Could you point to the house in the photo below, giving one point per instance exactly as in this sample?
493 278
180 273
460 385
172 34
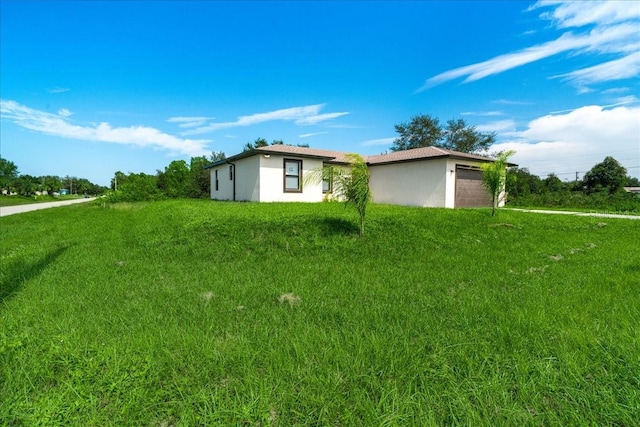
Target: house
426 177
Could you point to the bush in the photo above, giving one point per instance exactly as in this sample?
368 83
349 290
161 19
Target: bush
620 201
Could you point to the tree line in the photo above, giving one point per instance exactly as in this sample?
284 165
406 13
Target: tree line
602 187
178 180
12 182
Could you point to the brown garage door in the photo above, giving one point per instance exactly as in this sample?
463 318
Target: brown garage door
469 190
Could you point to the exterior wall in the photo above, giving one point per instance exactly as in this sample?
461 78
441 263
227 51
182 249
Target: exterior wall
247 185
272 180
225 185
418 183
248 182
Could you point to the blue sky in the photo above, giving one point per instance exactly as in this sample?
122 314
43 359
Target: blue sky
91 88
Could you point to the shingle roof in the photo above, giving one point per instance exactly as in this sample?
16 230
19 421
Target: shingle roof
421 153
342 157
333 156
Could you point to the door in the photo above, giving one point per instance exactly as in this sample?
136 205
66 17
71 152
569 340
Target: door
470 193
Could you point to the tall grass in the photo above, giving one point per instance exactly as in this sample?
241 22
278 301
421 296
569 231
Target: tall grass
213 313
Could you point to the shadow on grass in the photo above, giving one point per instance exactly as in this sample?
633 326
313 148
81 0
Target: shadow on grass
21 272
340 226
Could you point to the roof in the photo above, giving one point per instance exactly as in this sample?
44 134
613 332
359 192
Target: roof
422 153
341 157
330 155
327 155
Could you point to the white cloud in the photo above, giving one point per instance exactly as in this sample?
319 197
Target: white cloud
58 90
59 125
618 69
312 120
64 112
615 90
577 14
308 135
612 28
305 115
511 102
483 113
629 99
189 122
499 126
379 141
182 119
564 143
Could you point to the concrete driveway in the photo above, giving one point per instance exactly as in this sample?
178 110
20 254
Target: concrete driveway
599 215
11 210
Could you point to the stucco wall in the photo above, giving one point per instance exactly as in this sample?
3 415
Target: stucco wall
248 179
247 185
418 183
225 185
272 176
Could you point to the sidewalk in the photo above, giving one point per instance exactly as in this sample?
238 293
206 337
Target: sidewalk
600 215
12 210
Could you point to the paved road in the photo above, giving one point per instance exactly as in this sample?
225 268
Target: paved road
600 215
11 210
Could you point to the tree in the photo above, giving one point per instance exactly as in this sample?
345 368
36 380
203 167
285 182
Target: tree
552 183
51 184
174 181
260 142
199 181
426 131
609 176
421 131
137 187
520 183
8 173
493 177
458 136
357 190
216 156
351 185
25 185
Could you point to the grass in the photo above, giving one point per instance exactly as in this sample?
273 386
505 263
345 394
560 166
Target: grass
212 313
27 200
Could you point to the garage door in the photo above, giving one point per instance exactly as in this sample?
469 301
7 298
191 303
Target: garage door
470 192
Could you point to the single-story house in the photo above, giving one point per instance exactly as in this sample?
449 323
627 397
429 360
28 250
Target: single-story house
426 177
635 190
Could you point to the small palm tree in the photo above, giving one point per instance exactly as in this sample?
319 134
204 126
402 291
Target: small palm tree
349 184
494 175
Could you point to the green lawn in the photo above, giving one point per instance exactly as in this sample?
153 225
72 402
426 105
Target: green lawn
169 313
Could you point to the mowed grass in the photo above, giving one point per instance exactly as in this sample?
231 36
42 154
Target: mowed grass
209 313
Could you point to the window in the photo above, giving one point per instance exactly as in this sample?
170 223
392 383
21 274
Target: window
216 176
230 172
327 181
292 176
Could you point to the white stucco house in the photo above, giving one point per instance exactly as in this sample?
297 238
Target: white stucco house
426 177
